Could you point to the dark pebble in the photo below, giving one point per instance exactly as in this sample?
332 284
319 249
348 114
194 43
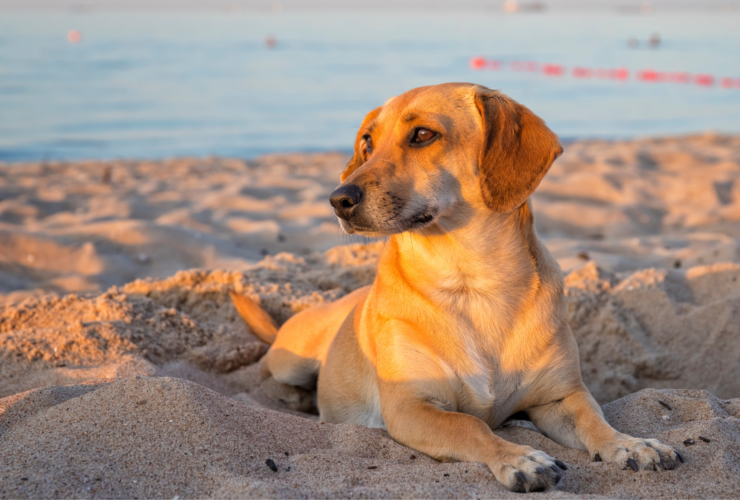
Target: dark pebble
666 405
287 454
704 439
372 467
280 237
583 255
447 475
689 442
271 464
264 251
24 479
413 457
677 264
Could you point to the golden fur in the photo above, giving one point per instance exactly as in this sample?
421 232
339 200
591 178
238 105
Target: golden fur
465 324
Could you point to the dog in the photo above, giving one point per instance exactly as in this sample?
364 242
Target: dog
465 324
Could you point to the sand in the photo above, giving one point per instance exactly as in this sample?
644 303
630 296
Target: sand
167 438
86 226
125 375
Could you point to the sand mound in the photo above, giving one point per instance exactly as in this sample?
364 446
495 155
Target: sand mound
185 325
657 328
662 328
165 437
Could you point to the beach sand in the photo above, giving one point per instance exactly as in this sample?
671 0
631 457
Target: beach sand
86 226
125 375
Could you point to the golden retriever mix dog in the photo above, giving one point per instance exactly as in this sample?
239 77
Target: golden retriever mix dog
465 324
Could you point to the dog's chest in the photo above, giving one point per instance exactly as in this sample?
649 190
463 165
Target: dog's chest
485 391
486 387
492 369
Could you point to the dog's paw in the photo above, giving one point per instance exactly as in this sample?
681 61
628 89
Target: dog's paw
638 454
524 469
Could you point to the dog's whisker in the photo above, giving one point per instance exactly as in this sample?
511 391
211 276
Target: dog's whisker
430 241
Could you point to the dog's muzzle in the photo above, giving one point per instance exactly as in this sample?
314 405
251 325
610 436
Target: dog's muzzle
345 200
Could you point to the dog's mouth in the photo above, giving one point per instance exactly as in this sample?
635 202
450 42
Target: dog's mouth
417 221
420 220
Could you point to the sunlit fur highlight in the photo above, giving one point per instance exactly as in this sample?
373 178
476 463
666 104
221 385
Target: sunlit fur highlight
465 324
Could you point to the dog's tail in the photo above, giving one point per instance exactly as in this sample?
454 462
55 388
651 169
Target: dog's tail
258 320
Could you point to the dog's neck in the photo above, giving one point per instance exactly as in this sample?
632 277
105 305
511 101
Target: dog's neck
494 257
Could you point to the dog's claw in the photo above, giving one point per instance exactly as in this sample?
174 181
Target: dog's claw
631 462
558 473
527 469
562 465
679 457
521 481
597 457
538 487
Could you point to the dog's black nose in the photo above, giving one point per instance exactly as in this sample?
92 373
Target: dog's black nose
344 199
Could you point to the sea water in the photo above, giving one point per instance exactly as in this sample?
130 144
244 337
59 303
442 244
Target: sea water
153 85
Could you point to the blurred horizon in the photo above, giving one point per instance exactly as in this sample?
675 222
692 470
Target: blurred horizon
625 6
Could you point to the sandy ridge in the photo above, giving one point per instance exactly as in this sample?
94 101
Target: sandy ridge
164 437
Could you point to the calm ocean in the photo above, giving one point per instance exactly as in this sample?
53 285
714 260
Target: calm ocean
152 85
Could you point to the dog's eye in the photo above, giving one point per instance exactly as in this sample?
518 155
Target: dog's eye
422 135
368 143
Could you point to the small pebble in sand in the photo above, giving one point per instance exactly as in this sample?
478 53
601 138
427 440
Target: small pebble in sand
373 467
287 454
689 442
142 258
583 256
666 418
705 439
447 475
271 465
413 457
665 405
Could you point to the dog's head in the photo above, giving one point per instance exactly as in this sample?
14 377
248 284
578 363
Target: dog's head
439 154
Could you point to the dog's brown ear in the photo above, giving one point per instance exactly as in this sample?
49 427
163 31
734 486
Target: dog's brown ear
360 155
518 150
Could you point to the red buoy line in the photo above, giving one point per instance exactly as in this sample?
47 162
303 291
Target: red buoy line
647 75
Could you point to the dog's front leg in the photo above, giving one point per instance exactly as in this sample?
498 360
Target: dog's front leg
577 422
450 436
